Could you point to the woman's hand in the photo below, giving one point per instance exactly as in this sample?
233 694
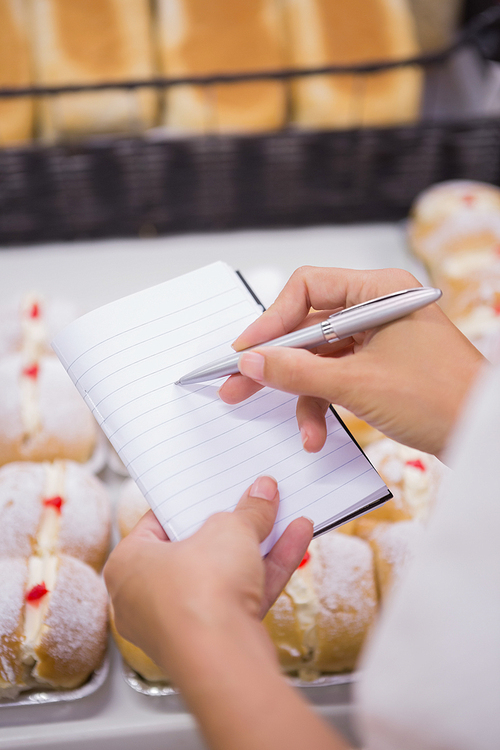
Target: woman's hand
408 378
169 599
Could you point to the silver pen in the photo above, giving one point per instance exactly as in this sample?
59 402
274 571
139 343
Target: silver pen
340 325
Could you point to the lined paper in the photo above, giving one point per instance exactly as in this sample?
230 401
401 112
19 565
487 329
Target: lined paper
191 454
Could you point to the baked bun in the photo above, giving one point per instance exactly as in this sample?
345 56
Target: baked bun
319 622
393 547
475 307
136 658
450 217
42 416
60 634
14 675
16 115
412 476
30 322
322 33
51 508
130 508
92 41
196 37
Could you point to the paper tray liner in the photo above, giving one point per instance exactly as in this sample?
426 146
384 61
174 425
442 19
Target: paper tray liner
155 689
39 695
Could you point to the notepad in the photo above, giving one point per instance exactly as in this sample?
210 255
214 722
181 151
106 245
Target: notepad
191 454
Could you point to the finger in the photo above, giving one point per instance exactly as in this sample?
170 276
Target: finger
311 421
237 388
148 528
321 289
284 558
303 373
258 507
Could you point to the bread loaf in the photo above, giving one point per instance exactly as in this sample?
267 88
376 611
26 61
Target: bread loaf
332 32
16 115
91 41
196 37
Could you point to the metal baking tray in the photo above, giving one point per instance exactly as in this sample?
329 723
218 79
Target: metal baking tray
40 695
140 685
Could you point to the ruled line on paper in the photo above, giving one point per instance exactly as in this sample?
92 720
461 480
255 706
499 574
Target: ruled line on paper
137 360
250 476
330 492
196 427
161 369
222 415
123 332
210 458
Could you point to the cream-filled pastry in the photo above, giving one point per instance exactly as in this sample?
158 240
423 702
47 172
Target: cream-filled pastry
53 623
29 322
446 213
49 508
320 620
412 476
130 508
393 547
42 416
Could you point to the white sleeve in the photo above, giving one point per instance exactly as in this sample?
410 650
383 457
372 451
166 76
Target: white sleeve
431 672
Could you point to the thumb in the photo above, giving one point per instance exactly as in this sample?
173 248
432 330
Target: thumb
297 371
259 506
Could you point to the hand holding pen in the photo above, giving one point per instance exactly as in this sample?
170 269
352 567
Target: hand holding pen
391 377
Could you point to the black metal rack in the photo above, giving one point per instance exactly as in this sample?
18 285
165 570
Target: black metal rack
138 186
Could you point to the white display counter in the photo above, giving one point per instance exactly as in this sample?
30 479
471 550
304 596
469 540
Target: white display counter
93 273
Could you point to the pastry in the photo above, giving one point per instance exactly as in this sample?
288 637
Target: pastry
412 476
319 622
93 41
136 658
452 218
16 115
475 307
53 622
50 508
322 33
30 322
221 36
130 508
393 547
42 416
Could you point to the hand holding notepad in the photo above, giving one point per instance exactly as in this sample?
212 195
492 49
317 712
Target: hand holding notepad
191 454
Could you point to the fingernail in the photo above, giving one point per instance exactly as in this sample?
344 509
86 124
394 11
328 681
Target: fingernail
252 365
304 436
308 519
264 487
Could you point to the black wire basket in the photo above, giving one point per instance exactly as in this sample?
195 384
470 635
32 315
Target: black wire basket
137 186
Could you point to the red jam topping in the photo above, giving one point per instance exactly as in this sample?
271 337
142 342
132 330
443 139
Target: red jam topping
496 308
497 249
34 311
305 560
31 371
417 464
54 502
469 199
37 592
